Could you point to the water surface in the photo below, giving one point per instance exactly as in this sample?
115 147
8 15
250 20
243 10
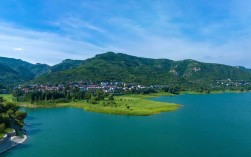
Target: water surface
206 126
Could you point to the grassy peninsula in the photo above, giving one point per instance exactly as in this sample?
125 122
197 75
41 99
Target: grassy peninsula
133 104
127 105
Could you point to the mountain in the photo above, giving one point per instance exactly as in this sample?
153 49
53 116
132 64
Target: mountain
14 71
126 68
66 64
121 67
243 68
17 71
40 69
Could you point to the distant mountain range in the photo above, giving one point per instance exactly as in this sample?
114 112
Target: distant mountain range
14 71
121 67
18 71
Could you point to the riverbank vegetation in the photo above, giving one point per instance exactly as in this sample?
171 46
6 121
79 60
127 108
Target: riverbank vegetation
126 105
99 101
10 117
68 94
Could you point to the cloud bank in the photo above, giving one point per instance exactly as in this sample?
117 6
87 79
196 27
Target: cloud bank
205 31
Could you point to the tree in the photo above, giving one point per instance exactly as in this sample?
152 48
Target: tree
110 97
1 99
11 117
2 127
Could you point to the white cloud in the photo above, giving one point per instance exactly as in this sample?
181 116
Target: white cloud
155 34
18 49
42 46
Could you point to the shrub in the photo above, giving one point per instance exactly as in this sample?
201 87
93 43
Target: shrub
2 128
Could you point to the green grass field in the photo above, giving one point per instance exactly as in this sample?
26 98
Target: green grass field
126 105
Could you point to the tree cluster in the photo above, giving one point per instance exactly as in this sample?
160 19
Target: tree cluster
49 96
11 116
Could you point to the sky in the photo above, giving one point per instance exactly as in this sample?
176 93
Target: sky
49 31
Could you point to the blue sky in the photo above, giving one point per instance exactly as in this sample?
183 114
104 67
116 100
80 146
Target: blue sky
48 31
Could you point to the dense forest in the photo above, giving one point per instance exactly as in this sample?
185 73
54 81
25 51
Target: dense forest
50 96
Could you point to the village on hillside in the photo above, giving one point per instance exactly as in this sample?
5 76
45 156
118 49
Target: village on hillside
106 87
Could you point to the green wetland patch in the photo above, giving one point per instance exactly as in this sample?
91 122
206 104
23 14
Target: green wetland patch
127 105
134 104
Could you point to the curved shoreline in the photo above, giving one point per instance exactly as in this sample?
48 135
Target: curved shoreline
9 142
135 110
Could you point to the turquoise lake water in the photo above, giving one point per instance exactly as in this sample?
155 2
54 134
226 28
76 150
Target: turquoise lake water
214 125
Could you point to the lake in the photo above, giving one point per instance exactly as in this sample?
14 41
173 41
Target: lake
205 126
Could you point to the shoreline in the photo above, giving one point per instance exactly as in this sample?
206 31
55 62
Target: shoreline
212 92
140 106
9 142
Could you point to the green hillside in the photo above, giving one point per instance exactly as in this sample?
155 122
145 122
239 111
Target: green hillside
110 66
66 64
121 67
15 71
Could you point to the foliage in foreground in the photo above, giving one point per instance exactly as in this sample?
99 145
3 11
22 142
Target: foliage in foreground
10 117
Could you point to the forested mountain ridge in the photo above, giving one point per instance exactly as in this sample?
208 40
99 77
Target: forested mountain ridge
125 68
243 68
121 67
15 71
66 64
